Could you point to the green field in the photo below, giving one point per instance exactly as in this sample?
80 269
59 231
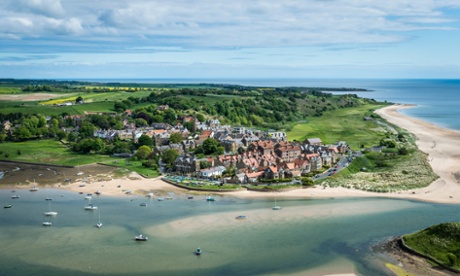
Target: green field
48 152
92 97
135 166
9 90
440 242
341 125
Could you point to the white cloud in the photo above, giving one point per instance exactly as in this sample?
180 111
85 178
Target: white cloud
237 23
48 8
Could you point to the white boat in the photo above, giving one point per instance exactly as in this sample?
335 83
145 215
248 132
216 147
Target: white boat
198 251
161 199
47 223
276 207
141 237
50 213
88 197
90 207
34 188
149 195
99 223
210 199
15 196
7 206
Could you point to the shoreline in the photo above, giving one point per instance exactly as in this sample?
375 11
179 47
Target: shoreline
440 144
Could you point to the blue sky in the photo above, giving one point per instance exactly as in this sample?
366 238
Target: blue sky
229 39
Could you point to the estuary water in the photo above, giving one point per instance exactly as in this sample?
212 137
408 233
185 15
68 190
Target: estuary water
310 237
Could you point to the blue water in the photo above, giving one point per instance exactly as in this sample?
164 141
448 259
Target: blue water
304 236
437 100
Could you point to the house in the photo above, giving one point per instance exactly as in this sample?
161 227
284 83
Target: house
253 177
313 141
187 164
272 173
162 107
212 172
277 135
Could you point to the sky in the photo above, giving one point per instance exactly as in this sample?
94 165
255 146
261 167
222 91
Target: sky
115 39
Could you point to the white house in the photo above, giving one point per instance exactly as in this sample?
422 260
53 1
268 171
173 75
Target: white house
213 172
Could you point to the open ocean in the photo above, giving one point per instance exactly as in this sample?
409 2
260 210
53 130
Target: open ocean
307 237
437 100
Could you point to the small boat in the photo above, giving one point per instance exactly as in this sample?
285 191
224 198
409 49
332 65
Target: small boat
88 197
143 204
7 206
198 251
276 207
47 223
168 198
50 213
48 198
97 192
99 223
33 189
161 199
149 195
90 207
190 197
210 199
241 217
15 196
141 237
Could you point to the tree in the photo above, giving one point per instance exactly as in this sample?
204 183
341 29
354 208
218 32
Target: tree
204 165
145 140
60 134
200 117
141 122
78 99
169 156
142 152
175 138
210 146
121 147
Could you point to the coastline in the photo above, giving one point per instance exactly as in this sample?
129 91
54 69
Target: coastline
440 144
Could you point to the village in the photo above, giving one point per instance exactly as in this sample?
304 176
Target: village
250 155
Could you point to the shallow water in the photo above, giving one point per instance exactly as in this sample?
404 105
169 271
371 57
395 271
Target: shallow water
328 235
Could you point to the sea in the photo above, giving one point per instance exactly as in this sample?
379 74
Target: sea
307 237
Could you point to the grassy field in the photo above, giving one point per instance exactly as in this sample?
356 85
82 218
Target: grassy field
440 242
92 97
9 90
341 125
47 152
135 166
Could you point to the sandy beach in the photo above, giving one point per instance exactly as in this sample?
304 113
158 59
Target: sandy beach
442 146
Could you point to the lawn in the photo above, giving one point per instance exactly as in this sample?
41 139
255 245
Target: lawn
341 125
135 166
47 152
